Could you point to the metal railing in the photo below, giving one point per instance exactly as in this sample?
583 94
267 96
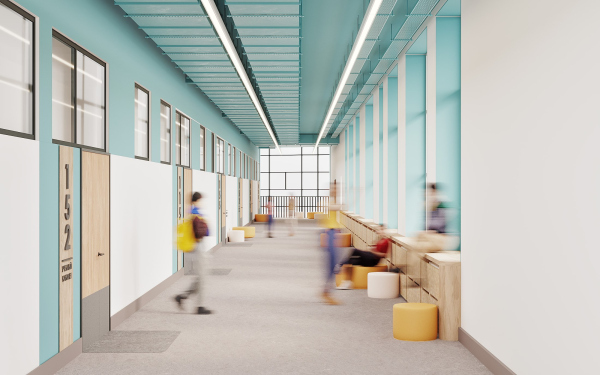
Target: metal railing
303 204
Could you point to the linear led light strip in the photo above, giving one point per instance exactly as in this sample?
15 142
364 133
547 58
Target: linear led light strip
365 27
219 25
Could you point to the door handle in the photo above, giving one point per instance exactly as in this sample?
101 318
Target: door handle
100 254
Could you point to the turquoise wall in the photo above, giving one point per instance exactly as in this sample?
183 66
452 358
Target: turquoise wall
346 168
448 125
369 161
415 143
351 201
357 162
380 218
392 203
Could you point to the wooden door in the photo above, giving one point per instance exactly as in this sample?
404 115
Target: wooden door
95 246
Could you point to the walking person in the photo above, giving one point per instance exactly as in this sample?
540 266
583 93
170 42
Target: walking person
270 218
292 214
197 259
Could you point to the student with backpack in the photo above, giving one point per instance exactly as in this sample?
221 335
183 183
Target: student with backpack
191 233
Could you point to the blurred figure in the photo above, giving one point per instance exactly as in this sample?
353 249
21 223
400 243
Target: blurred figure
270 220
364 258
197 258
292 214
434 239
330 267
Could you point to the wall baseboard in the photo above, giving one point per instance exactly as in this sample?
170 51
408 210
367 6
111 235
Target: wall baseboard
60 360
482 354
134 306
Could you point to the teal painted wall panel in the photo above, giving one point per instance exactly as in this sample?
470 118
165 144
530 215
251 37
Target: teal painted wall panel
357 162
346 163
392 203
451 8
49 262
76 244
351 199
415 143
380 219
99 26
369 162
448 125
208 151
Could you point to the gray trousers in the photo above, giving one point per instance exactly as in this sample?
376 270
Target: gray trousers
198 272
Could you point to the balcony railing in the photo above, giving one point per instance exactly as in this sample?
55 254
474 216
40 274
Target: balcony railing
303 204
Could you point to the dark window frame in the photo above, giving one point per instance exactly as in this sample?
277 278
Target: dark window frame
148 133
76 47
180 164
170 162
34 89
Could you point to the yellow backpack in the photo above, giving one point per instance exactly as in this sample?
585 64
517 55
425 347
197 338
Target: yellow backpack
186 240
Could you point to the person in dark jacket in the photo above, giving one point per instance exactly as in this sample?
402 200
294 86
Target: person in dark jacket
197 258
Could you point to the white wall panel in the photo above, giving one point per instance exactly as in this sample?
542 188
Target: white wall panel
206 184
141 238
232 202
19 268
255 199
530 183
246 201
337 167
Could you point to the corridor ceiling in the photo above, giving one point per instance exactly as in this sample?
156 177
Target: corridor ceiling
294 52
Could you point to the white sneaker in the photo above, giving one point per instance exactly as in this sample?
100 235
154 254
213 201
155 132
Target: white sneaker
346 284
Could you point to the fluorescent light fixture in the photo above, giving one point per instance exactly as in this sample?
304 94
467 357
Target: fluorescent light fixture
219 25
365 27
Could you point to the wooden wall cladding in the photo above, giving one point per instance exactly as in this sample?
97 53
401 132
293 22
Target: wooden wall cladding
65 212
95 222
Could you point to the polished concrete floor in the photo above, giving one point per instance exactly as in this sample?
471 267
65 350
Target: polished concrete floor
268 319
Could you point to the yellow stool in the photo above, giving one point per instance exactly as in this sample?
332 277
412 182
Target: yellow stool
249 232
415 321
359 275
261 218
311 215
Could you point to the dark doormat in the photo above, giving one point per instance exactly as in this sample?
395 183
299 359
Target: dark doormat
220 271
133 342
238 244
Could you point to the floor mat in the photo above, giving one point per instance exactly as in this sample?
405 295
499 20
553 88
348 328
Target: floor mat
134 342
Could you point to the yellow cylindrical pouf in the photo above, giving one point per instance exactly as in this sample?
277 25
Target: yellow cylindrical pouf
383 285
261 218
311 215
415 321
360 274
249 232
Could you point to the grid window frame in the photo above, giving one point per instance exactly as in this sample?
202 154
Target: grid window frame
34 66
202 148
149 123
170 132
85 53
179 137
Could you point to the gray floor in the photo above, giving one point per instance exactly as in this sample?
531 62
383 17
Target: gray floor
269 320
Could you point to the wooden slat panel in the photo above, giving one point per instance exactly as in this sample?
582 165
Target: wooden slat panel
424 280
66 232
433 282
413 292
414 266
403 286
95 222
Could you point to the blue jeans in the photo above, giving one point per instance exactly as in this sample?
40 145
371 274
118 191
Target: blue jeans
330 274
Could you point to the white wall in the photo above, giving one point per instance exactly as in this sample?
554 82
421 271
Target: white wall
255 199
362 159
401 144
206 184
245 201
19 242
337 167
376 146
531 182
232 202
141 239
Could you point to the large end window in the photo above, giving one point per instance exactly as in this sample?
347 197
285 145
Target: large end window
16 71
142 123
165 132
182 142
78 95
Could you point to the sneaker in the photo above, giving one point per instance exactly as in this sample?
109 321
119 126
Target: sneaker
346 284
337 269
203 311
329 300
178 299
